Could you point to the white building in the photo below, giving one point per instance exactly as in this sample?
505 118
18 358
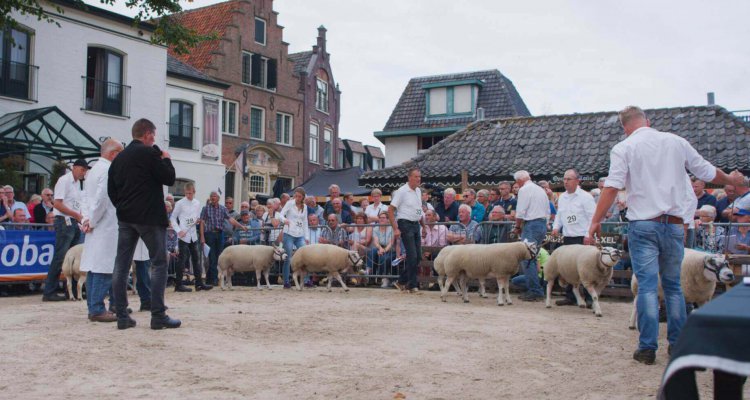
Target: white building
92 77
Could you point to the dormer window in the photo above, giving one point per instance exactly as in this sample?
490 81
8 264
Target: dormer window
449 99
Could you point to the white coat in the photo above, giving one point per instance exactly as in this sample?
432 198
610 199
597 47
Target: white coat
100 246
141 252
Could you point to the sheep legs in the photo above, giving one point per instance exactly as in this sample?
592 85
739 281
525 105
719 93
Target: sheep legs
465 287
503 285
482 291
448 282
81 281
69 285
594 298
548 301
579 298
257 279
633 313
338 278
295 278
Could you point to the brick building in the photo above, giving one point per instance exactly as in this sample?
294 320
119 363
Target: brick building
262 110
321 105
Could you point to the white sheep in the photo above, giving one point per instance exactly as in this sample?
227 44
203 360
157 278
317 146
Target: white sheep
699 273
439 265
324 258
246 258
479 261
578 264
71 269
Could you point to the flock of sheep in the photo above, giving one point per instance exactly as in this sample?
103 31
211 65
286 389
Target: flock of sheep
577 265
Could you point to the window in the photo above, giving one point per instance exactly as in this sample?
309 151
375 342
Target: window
426 142
284 129
438 102
321 99
105 92
452 100
358 160
258 71
16 75
327 135
257 184
341 158
462 99
256 122
378 163
178 189
260 31
314 143
229 117
180 124
229 184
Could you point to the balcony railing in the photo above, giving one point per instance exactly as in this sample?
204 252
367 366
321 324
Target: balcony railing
182 135
743 115
18 80
106 97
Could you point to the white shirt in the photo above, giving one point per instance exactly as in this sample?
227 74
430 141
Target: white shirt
532 202
408 203
297 220
651 165
100 246
574 212
69 191
372 211
186 212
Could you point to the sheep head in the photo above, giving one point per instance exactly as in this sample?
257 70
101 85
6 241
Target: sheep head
716 268
609 256
356 260
279 254
532 248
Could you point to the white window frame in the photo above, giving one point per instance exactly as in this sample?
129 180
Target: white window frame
250 183
262 122
314 156
361 159
291 128
225 116
327 141
321 101
265 31
249 67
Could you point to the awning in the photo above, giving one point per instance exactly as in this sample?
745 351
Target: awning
47 132
346 178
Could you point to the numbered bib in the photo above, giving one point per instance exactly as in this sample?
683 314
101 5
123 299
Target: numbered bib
572 219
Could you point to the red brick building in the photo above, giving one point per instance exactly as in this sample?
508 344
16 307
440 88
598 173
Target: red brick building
262 111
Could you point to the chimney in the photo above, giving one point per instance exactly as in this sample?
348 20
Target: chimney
322 39
711 100
480 114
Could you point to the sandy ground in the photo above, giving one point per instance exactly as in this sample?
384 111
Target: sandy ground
366 344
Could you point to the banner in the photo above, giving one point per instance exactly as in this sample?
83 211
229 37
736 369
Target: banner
25 255
210 147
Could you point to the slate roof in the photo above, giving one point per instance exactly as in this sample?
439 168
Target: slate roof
301 60
214 18
355 146
374 151
546 146
497 96
180 69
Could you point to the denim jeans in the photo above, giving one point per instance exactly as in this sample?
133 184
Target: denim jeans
98 286
143 280
65 238
215 241
412 239
656 249
521 281
382 262
533 231
154 237
290 242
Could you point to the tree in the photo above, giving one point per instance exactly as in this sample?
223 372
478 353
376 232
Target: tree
156 12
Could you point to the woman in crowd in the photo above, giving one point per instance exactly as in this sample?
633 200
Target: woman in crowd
296 232
709 237
381 252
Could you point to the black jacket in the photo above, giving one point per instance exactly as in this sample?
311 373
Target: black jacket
135 184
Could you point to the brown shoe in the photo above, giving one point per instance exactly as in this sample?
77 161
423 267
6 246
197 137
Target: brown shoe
103 317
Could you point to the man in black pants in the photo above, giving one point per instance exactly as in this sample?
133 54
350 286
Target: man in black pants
575 208
407 200
135 186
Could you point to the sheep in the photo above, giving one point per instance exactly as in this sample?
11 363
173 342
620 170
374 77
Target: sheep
578 264
71 269
246 258
324 257
438 265
699 273
478 261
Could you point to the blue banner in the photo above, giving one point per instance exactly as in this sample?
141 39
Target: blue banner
25 255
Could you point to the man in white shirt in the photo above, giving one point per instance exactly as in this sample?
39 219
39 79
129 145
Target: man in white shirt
13 205
575 208
184 219
532 213
405 215
68 198
100 226
650 166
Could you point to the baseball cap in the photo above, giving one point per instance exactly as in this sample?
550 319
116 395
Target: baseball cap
81 163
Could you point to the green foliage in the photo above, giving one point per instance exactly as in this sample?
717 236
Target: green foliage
9 171
59 168
156 12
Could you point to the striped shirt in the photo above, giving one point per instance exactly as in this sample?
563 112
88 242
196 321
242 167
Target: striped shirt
213 216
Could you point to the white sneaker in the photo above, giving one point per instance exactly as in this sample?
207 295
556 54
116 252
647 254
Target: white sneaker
385 283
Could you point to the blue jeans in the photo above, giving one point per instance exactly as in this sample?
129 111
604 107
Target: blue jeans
533 231
215 241
143 280
66 236
412 240
98 285
656 249
383 261
521 281
290 242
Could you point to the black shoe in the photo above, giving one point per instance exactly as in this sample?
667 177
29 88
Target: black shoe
182 288
54 297
112 310
164 322
145 307
566 302
530 297
125 323
646 356
198 288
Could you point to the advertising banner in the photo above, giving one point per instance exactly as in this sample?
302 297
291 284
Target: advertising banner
25 255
